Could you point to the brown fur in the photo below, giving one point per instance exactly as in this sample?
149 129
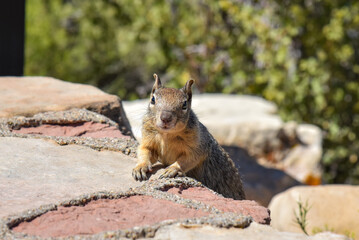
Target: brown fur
172 135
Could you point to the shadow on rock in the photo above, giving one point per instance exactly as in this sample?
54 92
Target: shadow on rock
260 183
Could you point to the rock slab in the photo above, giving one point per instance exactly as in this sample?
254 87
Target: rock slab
331 208
146 204
74 126
254 232
106 215
27 96
85 129
35 172
245 207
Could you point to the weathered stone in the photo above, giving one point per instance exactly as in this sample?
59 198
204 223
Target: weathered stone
331 207
86 129
74 126
35 172
248 208
106 215
195 213
26 96
253 232
253 124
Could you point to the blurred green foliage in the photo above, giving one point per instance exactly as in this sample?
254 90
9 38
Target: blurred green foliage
302 55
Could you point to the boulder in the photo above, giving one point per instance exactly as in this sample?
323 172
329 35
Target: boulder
253 123
74 126
26 96
254 232
331 208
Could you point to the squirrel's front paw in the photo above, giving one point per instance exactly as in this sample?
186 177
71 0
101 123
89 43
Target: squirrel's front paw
171 172
139 173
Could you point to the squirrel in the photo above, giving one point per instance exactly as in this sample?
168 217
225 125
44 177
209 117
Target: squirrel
173 135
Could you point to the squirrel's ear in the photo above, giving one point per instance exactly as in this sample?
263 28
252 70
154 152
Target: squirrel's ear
157 84
188 88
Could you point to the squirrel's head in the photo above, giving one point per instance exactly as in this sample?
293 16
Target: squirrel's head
170 107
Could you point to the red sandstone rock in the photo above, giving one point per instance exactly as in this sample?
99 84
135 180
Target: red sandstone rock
106 215
246 207
86 129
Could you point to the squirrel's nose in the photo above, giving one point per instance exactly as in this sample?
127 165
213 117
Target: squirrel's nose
166 117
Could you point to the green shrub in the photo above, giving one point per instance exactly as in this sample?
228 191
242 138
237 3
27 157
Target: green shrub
302 55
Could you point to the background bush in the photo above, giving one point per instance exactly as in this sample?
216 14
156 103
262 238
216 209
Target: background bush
302 55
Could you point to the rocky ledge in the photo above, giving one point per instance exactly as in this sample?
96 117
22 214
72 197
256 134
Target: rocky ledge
75 126
27 96
136 213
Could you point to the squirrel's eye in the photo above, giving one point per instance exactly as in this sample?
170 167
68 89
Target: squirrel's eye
184 106
153 101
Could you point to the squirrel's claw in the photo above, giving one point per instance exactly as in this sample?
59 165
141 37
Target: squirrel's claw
171 172
139 173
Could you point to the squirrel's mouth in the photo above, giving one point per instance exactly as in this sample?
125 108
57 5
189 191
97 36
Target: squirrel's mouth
165 126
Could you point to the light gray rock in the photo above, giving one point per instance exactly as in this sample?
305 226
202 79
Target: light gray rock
35 172
302 161
253 232
135 110
27 96
331 207
253 123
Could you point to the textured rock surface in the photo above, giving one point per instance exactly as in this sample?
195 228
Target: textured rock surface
253 124
35 172
332 207
253 232
106 215
245 207
189 212
101 128
26 96
86 129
